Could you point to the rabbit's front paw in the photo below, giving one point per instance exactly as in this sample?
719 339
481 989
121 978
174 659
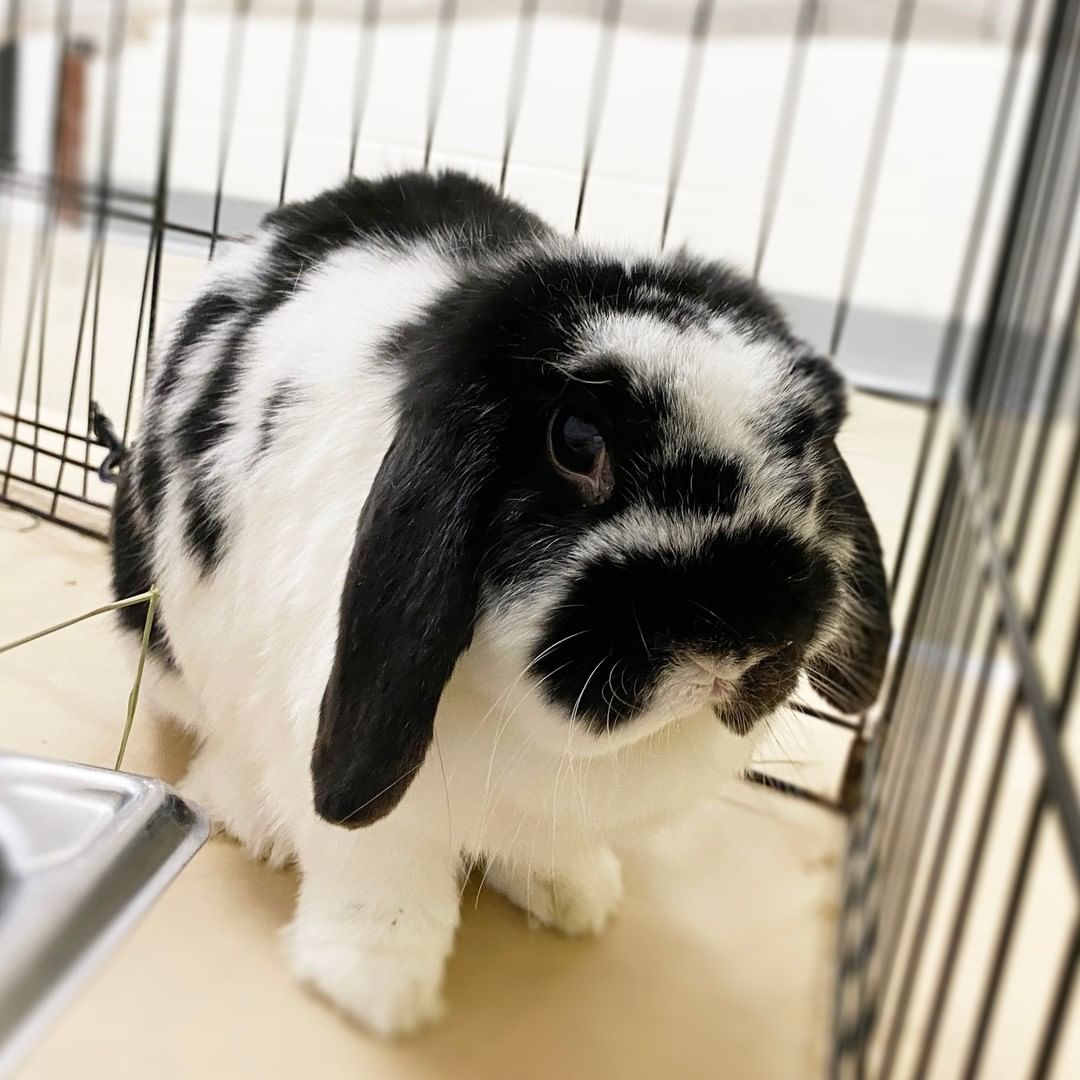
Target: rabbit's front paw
577 899
393 988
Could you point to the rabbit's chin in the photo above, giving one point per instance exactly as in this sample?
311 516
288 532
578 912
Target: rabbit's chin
519 705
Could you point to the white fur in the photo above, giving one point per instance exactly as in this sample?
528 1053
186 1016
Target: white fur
507 780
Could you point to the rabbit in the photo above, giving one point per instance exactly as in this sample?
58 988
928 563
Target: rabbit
479 544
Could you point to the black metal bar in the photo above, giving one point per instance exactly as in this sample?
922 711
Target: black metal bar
440 65
1059 1009
992 983
94 263
9 80
230 93
161 188
114 213
785 787
365 59
37 512
805 22
54 455
1057 778
1016 289
684 116
40 485
42 256
43 426
1028 292
1042 442
824 716
519 71
944 840
912 765
297 65
609 19
133 370
23 180
950 347
901 837
868 186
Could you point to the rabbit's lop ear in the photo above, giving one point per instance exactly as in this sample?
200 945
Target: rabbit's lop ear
849 670
407 612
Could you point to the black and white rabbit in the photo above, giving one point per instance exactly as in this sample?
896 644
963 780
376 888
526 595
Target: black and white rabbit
479 543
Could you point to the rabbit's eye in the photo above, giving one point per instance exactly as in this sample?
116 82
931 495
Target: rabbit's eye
576 443
578 451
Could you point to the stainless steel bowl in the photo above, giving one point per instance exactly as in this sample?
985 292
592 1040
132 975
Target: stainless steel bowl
84 852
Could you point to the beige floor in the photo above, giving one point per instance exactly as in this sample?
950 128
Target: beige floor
719 966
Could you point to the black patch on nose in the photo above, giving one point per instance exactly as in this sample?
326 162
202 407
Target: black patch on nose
693 483
626 620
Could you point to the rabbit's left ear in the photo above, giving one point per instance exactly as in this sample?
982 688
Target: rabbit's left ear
849 669
407 611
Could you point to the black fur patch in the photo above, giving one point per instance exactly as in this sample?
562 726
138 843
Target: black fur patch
207 422
403 209
201 318
132 570
279 401
737 721
850 676
828 387
625 620
726 292
151 472
797 428
204 527
707 485
801 495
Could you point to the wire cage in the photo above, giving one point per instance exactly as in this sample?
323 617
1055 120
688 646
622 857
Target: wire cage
902 174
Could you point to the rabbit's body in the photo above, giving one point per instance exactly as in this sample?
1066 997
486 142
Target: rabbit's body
287 395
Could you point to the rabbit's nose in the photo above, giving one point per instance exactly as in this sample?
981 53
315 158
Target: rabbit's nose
724 670
721 689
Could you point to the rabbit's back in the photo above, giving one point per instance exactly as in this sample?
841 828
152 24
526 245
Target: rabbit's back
268 407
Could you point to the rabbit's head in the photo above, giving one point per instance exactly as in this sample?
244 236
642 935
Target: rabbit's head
618 482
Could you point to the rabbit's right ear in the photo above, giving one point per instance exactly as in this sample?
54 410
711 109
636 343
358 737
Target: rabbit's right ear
849 670
407 609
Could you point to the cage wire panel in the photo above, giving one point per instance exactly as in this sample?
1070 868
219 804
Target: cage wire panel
961 924
902 174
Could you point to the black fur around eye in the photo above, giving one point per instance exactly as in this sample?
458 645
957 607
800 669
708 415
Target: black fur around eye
578 449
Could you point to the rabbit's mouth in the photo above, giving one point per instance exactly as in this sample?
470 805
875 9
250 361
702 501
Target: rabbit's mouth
740 691
760 690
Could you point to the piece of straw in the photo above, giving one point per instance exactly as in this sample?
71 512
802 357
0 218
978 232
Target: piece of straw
150 598
133 697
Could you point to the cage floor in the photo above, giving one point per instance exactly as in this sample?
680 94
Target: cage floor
721 957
